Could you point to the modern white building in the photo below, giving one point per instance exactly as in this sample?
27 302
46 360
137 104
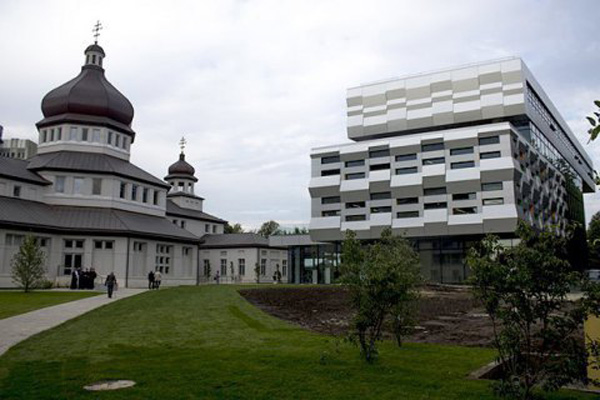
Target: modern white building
446 157
18 148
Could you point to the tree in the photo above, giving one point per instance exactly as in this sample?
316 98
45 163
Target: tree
594 131
207 270
593 239
524 291
383 280
235 228
27 265
269 228
232 271
257 272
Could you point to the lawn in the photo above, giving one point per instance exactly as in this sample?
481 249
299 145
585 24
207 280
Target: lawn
14 302
208 342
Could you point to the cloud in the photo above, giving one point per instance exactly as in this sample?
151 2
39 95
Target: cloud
254 85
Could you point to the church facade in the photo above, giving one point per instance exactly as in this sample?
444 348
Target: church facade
90 207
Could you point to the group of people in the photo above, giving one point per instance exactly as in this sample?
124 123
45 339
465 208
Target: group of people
154 279
83 278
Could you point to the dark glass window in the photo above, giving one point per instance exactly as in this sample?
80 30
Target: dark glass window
489 140
357 175
17 191
462 164
489 154
355 163
461 150
330 213
464 196
486 187
406 157
355 204
407 200
379 167
330 159
432 161
351 218
434 191
330 172
432 147
407 214
122 190
379 210
433 206
379 153
493 202
406 171
464 210
330 200
381 196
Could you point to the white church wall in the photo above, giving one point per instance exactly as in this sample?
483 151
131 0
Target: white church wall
250 255
22 190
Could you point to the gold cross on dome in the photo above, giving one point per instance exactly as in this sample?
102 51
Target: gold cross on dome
182 143
96 30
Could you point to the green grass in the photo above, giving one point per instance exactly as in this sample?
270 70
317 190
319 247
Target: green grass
208 342
14 303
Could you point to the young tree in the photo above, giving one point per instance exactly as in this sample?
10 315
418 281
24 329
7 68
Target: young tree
232 271
235 228
268 228
27 265
257 272
383 280
524 291
207 270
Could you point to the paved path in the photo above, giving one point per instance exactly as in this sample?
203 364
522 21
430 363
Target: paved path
20 327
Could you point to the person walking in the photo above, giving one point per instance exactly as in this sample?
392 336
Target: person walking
157 279
92 278
111 283
151 280
74 279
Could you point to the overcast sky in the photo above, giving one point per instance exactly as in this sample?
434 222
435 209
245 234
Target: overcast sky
254 85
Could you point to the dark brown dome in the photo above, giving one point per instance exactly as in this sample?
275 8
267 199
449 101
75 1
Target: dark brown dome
181 168
88 98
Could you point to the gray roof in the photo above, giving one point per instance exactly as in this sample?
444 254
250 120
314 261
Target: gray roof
17 169
293 240
234 240
26 215
93 163
174 209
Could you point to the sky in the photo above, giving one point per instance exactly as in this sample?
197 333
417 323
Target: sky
254 85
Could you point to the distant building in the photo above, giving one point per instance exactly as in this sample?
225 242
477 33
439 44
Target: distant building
21 149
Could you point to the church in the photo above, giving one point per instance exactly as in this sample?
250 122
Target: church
90 207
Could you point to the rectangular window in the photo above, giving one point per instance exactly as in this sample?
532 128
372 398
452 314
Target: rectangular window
464 196
163 258
436 205
207 228
134 190
379 153
97 186
379 167
43 136
351 218
434 191
381 210
406 157
73 133
78 185
242 266
489 140
330 200
16 191
330 159
357 175
407 200
263 266
58 133
462 164
355 163
497 201
214 229
84 134
487 187
206 266
124 141
406 171
96 135
122 189
330 213
489 154
97 244
110 137
464 210
381 196
407 214
117 140
145 195
59 184
433 161
355 204
155 197
284 267
182 224
432 147
330 172
461 150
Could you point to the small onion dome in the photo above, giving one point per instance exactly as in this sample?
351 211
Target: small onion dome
89 98
181 169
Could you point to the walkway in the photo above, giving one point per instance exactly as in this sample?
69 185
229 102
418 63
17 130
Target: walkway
20 327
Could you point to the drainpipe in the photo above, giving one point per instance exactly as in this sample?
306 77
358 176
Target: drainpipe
127 264
197 265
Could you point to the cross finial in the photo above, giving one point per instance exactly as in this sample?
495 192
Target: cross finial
96 30
182 143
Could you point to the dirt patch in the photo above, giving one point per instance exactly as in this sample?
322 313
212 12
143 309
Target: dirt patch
446 316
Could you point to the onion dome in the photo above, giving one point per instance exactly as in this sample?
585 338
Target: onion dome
89 98
181 169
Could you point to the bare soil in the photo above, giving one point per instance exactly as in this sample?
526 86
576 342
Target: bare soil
446 316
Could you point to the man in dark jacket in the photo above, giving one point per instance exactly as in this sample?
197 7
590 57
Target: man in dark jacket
151 280
111 282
